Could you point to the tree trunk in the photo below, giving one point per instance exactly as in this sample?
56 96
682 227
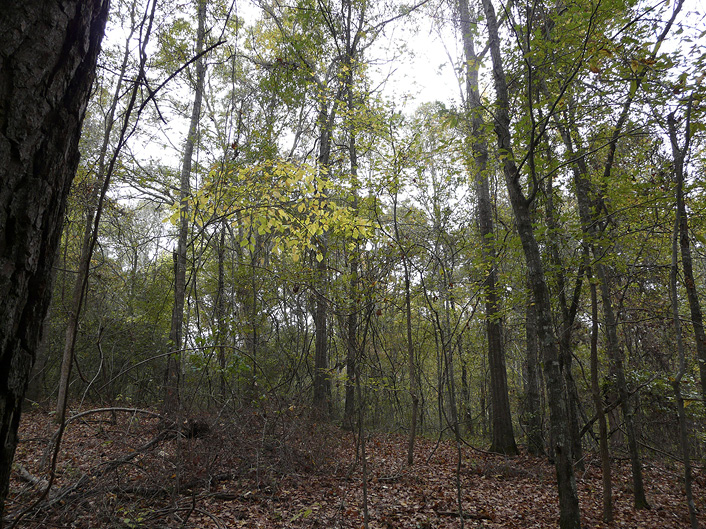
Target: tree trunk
568 315
352 338
697 321
322 378
569 513
598 402
591 233
48 54
616 356
533 397
172 377
90 236
503 440
676 383
221 316
681 233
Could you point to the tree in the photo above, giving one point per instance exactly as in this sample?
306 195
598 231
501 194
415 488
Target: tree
503 437
171 400
681 233
48 55
569 517
94 208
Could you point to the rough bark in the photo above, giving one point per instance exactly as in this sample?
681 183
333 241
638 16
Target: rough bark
172 376
568 316
48 53
503 437
569 513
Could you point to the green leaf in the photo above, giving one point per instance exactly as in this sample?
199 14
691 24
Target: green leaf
633 87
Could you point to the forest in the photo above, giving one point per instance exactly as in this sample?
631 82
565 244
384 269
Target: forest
286 288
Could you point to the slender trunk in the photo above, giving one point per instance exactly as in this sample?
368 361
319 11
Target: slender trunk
467 414
568 315
535 432
676 383
351 350
42 105
221 316
352 340
322 378
569 513
686 261
616 355
172 378
679 233
598 403
587 214
411 371
503 440
363 453
93 209
251 311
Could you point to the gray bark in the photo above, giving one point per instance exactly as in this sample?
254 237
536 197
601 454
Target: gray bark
681 234
322 378
352 338
503 437
569 512
588 212
598 402
172 376
533 396
697 321
48 53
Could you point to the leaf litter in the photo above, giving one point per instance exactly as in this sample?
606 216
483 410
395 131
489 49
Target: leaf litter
281 469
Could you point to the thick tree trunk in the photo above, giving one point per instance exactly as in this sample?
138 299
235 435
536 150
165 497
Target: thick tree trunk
569 515
172 376
503 440
48 53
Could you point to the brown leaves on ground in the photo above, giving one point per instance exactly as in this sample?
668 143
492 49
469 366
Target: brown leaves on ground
279 469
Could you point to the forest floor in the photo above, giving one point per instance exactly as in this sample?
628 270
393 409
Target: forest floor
278 469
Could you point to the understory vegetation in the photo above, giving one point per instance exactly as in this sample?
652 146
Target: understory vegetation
301 298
